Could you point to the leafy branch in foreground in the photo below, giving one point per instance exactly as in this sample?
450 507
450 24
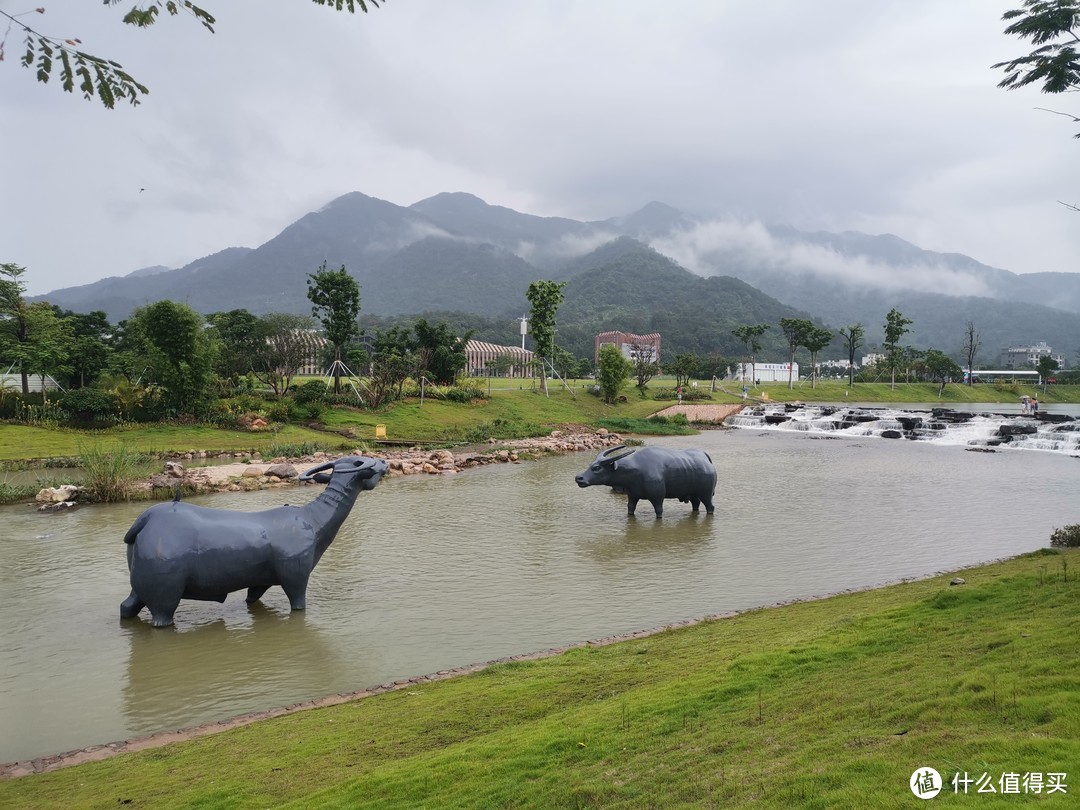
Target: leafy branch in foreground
104 78
1051 25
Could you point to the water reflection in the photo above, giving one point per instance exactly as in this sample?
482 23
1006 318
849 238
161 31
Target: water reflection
676 538
434 572
254 655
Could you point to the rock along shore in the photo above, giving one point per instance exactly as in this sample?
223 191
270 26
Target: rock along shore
254 473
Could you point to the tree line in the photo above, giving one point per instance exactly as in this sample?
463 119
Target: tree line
167 361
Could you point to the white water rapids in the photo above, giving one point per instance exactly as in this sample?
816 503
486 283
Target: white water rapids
1057 433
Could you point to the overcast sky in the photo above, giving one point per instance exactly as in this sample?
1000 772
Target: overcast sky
882 117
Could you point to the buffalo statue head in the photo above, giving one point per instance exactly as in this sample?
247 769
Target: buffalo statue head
363 469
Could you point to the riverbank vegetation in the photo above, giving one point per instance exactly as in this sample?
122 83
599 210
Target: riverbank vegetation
831 703
509 412
274 426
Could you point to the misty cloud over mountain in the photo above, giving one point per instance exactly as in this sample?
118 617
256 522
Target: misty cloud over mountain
454 252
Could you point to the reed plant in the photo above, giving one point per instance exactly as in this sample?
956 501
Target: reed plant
109 475
297 449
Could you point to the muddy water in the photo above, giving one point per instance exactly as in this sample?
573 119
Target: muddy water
430 573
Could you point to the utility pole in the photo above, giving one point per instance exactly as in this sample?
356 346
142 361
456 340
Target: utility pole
524 330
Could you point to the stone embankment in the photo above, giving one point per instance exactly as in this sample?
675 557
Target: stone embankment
253 473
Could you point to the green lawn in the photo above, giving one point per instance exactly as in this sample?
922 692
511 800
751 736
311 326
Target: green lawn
525 407
20 442
824 704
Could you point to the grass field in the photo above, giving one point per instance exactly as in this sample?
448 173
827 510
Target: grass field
832 703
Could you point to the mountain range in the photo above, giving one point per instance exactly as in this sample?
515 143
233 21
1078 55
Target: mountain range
690 278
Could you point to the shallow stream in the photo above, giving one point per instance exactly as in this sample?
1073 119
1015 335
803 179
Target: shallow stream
430 573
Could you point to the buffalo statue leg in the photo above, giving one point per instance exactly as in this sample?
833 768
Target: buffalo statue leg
707 500
255 594
631 504
296 589
162 612
131 606
658 506
163 604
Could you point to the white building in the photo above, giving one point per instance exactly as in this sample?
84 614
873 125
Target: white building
34 382
765 372
1027 355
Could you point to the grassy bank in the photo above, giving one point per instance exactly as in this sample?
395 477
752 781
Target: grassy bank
824 704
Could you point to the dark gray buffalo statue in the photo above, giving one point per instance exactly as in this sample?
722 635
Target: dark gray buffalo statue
654 474
181 551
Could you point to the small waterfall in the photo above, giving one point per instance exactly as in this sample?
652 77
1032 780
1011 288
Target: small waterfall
1047 432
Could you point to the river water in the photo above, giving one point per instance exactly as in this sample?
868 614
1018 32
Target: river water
430 573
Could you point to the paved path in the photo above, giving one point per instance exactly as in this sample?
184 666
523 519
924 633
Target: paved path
702 413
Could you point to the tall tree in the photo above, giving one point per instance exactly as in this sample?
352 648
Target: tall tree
335 301
285 341
816 339
179 353
104 78
1046 366
896 326
612 372
795 332
90 347
749 336
545 297
393 360
47 350
645 367
853 336
971 349
241 342
14 330
682 368
440 353
940 368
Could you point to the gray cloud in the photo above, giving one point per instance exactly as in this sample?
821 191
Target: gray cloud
712 246
839 114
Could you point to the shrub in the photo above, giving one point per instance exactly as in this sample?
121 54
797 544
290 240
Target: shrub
465 393
219 414
674 419
309 392
689 394
499 429
89 405
1068 536
663 426
279 411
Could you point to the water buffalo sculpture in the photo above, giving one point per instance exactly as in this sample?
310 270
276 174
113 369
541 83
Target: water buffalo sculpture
180 551
654 474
